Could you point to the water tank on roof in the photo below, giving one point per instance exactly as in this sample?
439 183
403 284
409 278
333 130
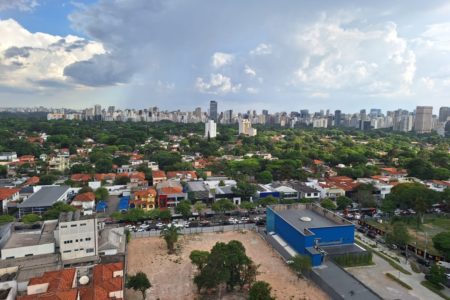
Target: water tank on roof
305 219
83 280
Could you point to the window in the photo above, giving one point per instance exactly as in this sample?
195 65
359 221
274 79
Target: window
63 226
31 254
67 251
89 250
73 225
83 224
76 241
88 239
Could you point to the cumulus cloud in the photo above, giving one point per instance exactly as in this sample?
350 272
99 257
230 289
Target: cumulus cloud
249 71
262 49
339 56
220 59
22 5
217 84
33 60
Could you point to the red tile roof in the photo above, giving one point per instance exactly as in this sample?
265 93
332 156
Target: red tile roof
60 280
63 295
145 193
85 197
171 190
80 177
33 180
158 174
105 176
395 171
5 193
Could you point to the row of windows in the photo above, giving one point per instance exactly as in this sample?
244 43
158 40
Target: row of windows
73 225
88 250
76 241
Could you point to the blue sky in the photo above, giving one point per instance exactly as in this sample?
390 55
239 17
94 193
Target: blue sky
254 54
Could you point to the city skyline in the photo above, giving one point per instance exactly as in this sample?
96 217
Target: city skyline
284 56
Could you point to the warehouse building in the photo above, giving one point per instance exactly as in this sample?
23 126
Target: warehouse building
309 229
43 199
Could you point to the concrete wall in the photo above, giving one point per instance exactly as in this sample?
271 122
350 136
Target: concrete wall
335 235
28 251
78 239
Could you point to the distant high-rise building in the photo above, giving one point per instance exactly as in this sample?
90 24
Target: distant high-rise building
375 112
444 113
423 123
111 109
98 112
213 110
210 129
265 112
228 116
198 112
337 118
245 127
304 113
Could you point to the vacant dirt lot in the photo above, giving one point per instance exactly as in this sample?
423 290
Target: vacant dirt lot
171 275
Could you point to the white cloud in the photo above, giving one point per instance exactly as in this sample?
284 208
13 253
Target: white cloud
220 59
428 82
37 60
22 5
262 49
249 71
252 90
319 95
337 56
217 84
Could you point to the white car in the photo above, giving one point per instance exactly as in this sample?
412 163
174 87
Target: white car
159 225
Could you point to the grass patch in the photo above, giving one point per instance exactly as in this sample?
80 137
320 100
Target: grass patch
435 289
386 258
414 267
403 284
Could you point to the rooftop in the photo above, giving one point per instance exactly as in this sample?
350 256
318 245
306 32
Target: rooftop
5 193
305 216
25 238
46 196
73 216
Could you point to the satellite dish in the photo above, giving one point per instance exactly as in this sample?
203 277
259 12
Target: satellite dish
84 280
305 219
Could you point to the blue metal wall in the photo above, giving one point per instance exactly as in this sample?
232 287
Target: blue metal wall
335 235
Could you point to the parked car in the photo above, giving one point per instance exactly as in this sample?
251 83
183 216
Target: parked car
423 262
372 234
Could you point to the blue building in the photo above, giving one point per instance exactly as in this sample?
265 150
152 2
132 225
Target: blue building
311 230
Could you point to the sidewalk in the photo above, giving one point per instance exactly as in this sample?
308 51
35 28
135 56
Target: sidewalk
414 280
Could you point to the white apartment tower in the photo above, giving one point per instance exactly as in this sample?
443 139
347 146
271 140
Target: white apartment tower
210 129
245 127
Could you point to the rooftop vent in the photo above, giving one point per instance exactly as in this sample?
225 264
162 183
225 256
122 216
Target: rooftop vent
305 219
84 280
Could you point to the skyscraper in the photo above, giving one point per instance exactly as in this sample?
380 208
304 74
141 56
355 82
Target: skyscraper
213 110
422 123
337 118
444 113
98 112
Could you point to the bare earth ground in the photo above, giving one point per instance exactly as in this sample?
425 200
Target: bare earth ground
172 275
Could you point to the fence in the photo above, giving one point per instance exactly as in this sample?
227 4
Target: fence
196 230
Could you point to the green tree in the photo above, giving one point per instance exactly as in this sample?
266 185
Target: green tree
103 166
31 218
437 275
57 208
441 242
244 189
399 234
170 234
199 207
364 195
85 189
139 282
222 205
199 258
328 204
343 202
165 214
269 200
264 177
301 264
101 194
184 208
121 180
247 205
47 179
260 290
3 171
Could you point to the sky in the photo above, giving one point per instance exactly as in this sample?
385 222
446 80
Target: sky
254 54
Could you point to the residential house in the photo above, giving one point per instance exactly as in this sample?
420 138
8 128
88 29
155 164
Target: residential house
59 162
8 156
158 176
170 193
144 199
125 169
7 195
106 282
81 178
198 191
85 202
394 173
438 185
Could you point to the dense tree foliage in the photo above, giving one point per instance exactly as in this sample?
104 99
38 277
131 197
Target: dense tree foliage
139 282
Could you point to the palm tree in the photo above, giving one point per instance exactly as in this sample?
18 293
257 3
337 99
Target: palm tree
170 234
